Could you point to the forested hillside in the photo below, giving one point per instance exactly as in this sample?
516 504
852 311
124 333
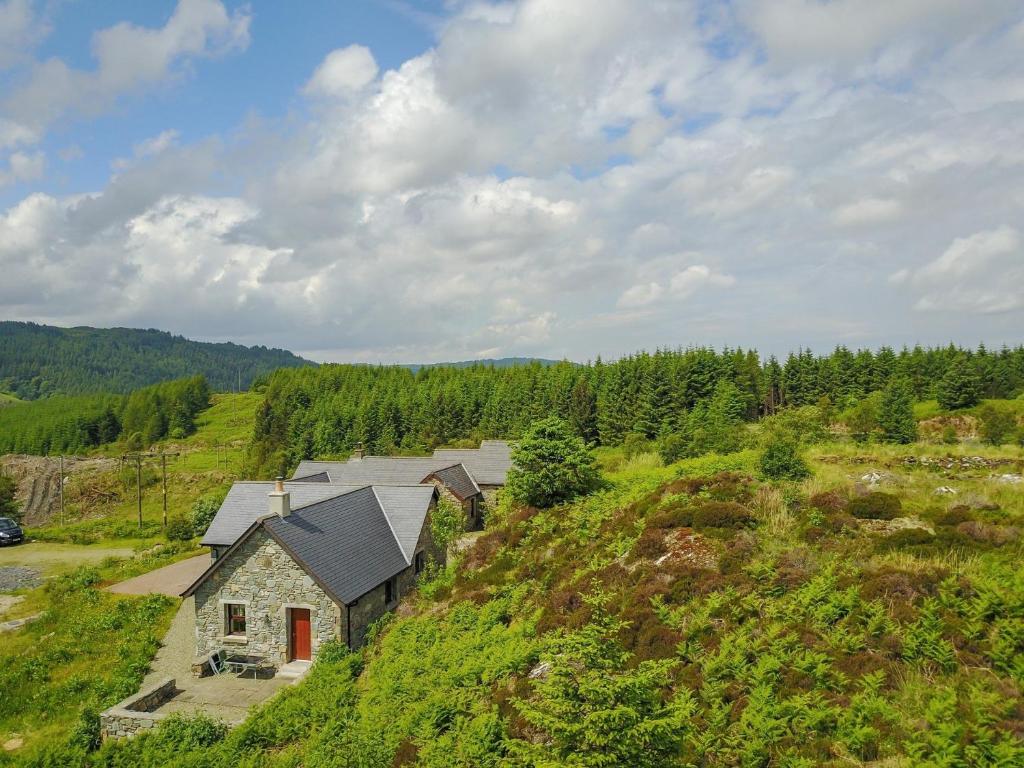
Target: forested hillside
40 360
681 393
69 424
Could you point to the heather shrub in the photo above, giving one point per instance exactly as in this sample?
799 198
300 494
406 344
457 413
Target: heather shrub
876 505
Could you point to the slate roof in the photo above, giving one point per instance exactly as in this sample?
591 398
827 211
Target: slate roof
247 501
392 470
357 541
351 542
319 477
486 465
457 480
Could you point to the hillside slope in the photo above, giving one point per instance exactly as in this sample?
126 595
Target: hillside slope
683 616
40 360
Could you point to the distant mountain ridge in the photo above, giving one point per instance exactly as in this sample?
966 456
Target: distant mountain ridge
499 362
40 360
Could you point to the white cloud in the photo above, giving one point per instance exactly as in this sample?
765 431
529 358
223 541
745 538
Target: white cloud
570 178
981 273
343 72
640 295
869 210
850 30
695 277
23 166
20 30
149 147
128 58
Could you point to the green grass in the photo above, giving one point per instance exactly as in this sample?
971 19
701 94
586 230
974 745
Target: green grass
8 399
89 649
205 464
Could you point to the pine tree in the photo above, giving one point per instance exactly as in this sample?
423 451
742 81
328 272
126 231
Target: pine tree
960 387
896 412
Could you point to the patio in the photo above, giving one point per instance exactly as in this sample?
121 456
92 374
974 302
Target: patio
227 696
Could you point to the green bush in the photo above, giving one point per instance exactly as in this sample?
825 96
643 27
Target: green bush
907 537
723 514
179 528
203 512
781 458
875 506
998 424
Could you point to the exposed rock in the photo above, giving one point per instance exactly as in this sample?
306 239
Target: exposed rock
540 672
13 577
688 547
886 527
1010 479
945 490
13 743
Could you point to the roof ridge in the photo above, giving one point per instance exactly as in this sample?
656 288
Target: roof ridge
348 489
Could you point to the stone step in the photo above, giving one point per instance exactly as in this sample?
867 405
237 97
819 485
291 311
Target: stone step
294 670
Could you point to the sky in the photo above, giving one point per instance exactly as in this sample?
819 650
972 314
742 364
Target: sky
397 181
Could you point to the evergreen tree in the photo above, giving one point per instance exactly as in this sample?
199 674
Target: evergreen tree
960 387
896 412
583 410
551 465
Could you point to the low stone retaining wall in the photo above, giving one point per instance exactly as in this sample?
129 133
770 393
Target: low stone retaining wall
134 714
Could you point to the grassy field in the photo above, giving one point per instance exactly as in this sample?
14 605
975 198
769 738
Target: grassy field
102 507
7 399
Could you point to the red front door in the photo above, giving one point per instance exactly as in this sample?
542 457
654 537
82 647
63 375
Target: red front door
300 634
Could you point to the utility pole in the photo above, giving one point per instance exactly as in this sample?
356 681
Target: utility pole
62 490
138 478
138 485
163 465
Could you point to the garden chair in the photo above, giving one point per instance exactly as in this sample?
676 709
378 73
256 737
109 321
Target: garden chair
217 662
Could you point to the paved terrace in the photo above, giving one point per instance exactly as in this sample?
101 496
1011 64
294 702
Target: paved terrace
227 697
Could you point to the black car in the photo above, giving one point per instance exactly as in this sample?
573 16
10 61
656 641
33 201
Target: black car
10 532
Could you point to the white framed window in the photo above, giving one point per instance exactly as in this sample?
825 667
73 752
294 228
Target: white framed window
234 620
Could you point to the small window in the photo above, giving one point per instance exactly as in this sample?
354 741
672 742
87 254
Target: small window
420 562
390 592
236 619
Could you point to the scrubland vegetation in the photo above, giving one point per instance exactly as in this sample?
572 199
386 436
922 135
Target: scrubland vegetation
698 613
745 568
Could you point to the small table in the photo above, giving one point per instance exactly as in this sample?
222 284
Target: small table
243 663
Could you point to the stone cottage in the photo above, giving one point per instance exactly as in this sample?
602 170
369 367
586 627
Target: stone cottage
467 476
314 562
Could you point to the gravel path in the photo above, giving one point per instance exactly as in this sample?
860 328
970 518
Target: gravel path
177 649
171 580
15 577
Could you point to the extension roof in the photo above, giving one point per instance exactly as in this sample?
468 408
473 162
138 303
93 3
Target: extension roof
348 543
392 470
486 465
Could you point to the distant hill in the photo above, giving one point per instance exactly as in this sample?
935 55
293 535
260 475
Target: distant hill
40 360
502 362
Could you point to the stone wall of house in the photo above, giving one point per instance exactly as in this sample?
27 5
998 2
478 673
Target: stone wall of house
473 522
371 606
264 578
127 718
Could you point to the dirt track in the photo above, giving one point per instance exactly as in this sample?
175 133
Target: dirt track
38 479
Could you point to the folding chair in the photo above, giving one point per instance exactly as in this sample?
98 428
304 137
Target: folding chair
217 662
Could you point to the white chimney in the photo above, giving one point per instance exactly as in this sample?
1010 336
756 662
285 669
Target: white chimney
280 500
